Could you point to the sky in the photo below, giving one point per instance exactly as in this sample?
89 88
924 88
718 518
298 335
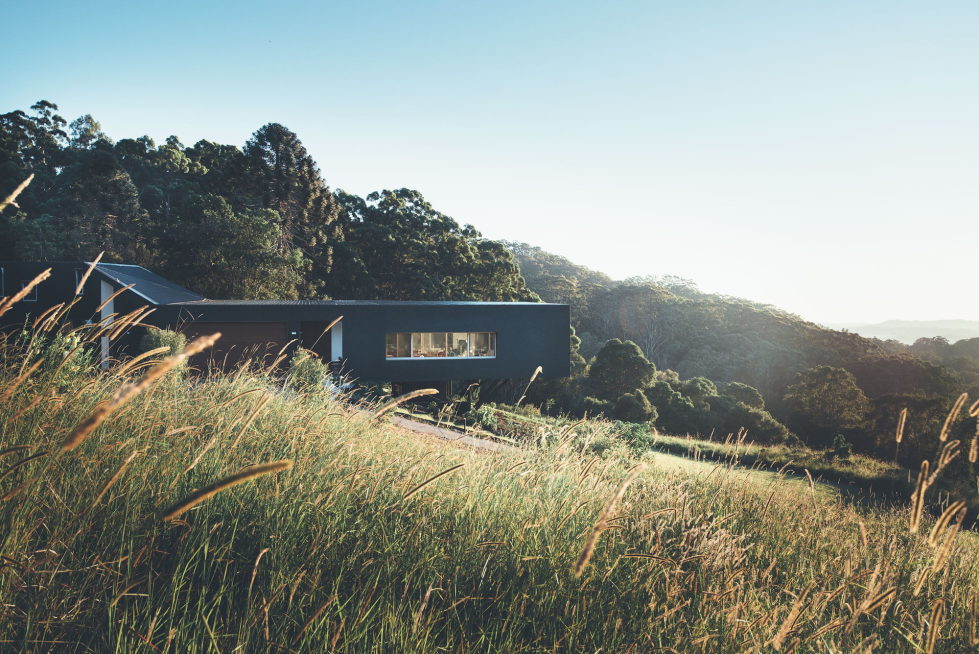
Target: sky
819 156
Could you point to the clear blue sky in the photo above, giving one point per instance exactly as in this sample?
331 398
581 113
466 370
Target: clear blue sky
821 156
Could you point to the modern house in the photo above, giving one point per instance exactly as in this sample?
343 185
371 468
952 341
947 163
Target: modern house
375 340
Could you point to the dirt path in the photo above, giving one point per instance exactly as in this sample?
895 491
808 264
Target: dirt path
450 435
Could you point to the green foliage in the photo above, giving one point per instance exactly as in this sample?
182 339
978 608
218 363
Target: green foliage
593 406
231 254
841 448
722 338
67 359
399 247
743 393
619 368
156 338
306 372
601 446
761 427
639 436
825 401
634 407
283 178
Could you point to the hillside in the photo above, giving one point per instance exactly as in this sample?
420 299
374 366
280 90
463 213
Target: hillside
722 338
147 526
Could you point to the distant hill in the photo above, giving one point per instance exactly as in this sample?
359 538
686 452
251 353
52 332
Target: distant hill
726 338
908 331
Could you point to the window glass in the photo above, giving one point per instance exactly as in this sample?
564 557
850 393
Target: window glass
483 344
398 345
428 344
458 344
402 345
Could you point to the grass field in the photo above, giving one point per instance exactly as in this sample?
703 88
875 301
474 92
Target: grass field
375 541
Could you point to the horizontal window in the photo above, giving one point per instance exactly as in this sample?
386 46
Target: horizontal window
424 345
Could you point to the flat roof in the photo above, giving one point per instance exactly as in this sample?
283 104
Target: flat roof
342 303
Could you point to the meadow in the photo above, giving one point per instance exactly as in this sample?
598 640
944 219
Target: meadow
146 508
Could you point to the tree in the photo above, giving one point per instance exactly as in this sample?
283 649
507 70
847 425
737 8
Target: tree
760 426
85 132
399 247
619 368
824 401
743 393
285 178
634 407
222 253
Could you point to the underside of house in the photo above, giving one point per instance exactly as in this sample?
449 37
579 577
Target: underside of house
370 340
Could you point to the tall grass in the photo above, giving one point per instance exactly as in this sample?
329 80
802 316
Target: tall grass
376 541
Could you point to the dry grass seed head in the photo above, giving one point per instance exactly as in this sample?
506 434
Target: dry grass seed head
600 525
240 477
8 302
88 272
127 392
901 421
918 497
952 415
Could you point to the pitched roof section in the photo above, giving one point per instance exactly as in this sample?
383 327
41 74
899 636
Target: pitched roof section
148 285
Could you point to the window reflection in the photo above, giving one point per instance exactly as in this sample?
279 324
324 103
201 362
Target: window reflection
419 345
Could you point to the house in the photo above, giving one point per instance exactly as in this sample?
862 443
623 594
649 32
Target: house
374 341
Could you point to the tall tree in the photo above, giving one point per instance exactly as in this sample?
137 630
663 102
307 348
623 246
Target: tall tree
287 180
222 253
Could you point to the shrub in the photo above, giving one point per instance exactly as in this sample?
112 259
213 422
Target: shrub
66 359
155 338
639 436
842 448
634 407
306 372
743 393
594 406
761 426
601 445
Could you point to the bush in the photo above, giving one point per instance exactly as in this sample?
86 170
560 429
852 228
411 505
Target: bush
594 406
154 338
760 425
306 372
634 407
842 448
640 437
743 393
601 445
66 359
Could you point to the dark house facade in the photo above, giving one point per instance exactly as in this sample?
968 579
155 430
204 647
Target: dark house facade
374 341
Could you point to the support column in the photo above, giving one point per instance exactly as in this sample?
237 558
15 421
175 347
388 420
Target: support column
106 290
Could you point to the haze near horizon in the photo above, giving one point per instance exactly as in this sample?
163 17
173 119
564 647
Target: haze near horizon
822 158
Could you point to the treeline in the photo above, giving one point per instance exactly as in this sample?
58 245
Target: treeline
254 222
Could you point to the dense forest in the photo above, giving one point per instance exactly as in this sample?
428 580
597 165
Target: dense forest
260 221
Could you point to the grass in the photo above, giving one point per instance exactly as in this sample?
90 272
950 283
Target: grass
374 541
856 470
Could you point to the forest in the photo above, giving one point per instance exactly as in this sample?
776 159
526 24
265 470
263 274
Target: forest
260 221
